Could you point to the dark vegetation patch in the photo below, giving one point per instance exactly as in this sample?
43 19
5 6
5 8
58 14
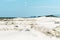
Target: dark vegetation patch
51 16
2 18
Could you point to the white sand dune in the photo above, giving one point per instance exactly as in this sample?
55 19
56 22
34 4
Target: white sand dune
34 35
37 28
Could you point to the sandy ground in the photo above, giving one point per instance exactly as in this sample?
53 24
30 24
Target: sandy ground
25 35
32 34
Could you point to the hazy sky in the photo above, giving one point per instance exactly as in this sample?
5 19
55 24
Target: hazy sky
20 8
